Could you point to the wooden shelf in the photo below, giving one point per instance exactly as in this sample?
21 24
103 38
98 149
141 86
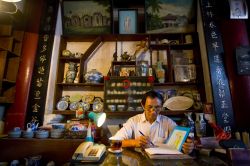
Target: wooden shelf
10 53
124 63
70 59
107 37
171 46
175 84
9 81
130 113
6 100
66 112
80 85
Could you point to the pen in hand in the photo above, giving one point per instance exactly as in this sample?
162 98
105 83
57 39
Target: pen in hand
144 135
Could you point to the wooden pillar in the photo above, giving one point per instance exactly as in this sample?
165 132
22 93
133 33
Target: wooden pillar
15 115
234 34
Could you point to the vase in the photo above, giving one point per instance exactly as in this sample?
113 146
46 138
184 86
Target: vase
160 72
200 125
71 73
191 124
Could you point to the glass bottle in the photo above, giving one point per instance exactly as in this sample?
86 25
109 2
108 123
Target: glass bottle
160 72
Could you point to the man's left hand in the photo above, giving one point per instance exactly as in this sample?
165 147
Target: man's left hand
188 146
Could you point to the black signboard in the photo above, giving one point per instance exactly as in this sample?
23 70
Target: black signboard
243 60
39 82
220 86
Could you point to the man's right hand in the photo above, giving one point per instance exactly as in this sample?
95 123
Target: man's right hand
142 141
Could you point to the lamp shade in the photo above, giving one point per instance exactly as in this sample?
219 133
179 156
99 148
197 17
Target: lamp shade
11 0
98 118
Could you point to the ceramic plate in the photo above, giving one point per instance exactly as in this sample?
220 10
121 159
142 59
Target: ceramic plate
62 105
98 106
178 103
75 98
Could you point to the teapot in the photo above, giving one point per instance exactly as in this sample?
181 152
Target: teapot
32 126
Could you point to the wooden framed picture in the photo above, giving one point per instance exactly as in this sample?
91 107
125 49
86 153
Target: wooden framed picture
208 108
86 17
169 16
238 9
243 60
127 21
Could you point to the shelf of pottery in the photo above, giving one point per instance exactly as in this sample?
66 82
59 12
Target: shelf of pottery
169 63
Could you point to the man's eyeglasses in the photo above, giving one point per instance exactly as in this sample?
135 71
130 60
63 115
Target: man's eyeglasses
153 108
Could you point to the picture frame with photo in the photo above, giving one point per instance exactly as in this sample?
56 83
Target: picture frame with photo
127 21
242 54
142 68
86 17
185 73
238 9
171 16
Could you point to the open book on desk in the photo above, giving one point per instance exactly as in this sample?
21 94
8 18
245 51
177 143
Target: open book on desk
172 149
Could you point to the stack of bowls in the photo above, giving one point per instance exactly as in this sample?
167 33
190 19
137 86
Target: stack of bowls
42 134
15 133
56 133
28 134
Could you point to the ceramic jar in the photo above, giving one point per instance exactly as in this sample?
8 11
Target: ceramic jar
93 76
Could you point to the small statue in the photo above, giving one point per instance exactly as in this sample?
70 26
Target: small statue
125 56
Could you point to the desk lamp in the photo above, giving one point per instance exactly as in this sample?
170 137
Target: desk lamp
99 119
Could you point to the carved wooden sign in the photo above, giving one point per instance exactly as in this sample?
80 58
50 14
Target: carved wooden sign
219 80
39 82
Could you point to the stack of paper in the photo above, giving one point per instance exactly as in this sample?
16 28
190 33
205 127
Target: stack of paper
161 150
165 153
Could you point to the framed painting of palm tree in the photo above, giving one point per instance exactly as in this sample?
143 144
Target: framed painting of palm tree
86 17
170 16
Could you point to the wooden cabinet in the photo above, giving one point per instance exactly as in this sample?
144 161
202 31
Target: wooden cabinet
175 50
10 51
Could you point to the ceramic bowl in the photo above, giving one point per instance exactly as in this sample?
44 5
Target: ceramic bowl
27 134
120 107
58 126
56 133
42 134
93 76
14 134
112 107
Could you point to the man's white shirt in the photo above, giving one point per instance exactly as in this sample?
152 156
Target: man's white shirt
158 131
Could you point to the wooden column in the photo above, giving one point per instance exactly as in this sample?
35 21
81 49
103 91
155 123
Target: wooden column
15 115
235 34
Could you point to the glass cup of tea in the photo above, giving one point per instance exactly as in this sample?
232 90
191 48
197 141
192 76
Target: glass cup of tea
115 144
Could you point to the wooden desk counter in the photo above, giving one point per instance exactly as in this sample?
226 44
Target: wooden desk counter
58 150
61 150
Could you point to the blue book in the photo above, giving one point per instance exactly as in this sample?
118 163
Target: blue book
177 137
